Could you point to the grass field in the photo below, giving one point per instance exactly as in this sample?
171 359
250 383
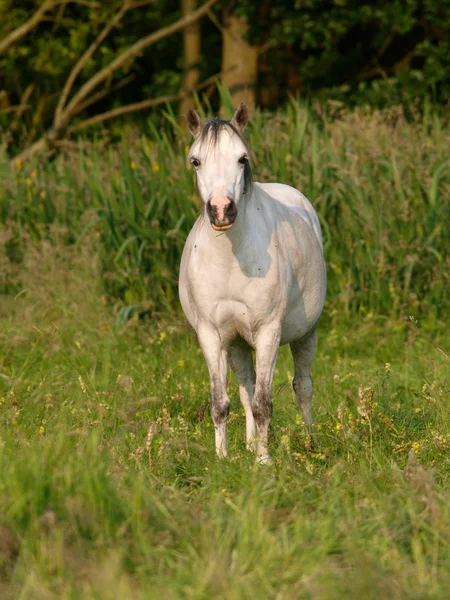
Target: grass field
109 487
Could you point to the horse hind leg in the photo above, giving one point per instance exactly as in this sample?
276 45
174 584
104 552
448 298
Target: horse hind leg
241 363
303 354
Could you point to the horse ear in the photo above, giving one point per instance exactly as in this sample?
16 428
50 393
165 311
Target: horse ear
194 122
240 117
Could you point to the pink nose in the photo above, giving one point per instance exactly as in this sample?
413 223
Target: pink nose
221 214
219 205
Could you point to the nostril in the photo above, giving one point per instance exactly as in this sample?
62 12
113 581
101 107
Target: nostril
231 210
211 210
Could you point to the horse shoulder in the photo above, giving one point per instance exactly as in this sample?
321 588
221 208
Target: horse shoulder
186 279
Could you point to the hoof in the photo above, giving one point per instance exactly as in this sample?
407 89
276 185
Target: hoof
251 446
312 443
315 443
264 460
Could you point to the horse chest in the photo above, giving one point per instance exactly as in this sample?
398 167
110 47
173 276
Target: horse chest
235 296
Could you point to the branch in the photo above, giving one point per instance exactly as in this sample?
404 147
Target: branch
385 45
42 143
55 133
151 102
17 108
404 61
123 110
96 97
75 145
377 70
26 27
87 3
22 106
132 51
29 152
265 47
110 114
85 57
34 20
212 17
141 3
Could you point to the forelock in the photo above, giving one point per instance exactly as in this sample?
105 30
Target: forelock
210 134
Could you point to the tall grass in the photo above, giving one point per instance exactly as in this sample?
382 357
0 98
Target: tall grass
380 183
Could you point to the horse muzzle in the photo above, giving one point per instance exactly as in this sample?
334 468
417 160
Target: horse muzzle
222 214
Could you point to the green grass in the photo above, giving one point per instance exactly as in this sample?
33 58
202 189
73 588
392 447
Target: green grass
109 487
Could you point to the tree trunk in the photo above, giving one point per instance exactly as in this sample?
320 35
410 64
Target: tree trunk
268 83
191 44
294 81
239 62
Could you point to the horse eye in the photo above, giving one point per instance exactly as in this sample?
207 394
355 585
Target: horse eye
243 160
195 162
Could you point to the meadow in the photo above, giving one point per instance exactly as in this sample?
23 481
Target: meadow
109 487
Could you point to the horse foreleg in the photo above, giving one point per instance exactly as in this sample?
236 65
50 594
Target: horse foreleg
216 359
241 361
267 344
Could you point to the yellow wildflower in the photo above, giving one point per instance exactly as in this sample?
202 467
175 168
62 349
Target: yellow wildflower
82 384
285 442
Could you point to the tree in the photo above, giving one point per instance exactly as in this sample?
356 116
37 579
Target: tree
371 51
66 65
239 59
84 86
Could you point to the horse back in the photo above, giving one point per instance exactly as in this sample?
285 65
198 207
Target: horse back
295 200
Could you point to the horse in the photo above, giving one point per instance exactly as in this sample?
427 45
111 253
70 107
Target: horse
252 277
